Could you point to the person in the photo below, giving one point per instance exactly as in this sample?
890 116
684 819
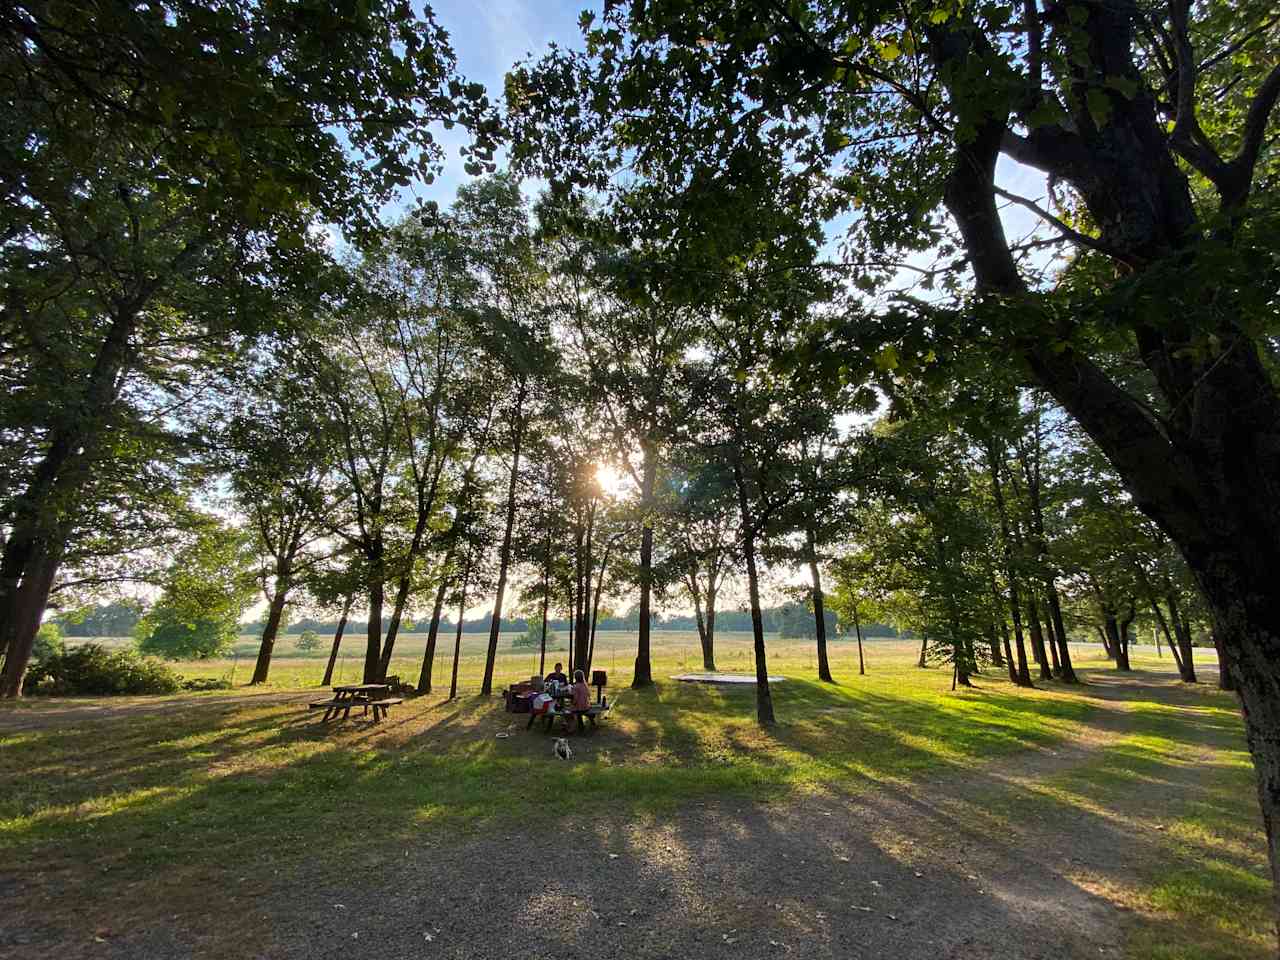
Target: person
581 698
557 675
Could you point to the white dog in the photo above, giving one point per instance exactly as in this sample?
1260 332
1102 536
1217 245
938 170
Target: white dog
562 749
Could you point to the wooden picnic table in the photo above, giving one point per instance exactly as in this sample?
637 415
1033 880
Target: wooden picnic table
363 695
560 708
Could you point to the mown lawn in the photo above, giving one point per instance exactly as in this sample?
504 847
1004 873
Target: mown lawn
218 788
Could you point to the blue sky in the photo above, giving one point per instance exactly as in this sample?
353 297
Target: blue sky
489 36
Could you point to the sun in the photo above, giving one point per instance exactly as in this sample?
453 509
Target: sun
613 482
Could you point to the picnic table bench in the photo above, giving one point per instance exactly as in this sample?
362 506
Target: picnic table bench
592 713
363 695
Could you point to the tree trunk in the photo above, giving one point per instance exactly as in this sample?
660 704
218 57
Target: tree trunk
39 517
337 642
1015 606
857 629
1186 662
546 608
644 671
274 615
819 614
1037 638
457 637
373 634
433 631
1060 633
1226 680
924 650
701 622
504 557
26 609
709 647
764 698
393 628
1122 639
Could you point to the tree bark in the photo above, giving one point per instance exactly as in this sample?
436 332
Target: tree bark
1037 637
1023 678
857 629
764 698
274 615
1186 662
504 557
819 614
37 539
1060 632
457 637
924 650
433 631
26 609
337 642
373 633
643 670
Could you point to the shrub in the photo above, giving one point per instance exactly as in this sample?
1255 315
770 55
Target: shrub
308 641
207 683
94 670
48 643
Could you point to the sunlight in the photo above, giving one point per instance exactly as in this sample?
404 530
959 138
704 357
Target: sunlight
613 482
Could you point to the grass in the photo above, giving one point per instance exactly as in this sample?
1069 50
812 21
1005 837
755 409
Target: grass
222 788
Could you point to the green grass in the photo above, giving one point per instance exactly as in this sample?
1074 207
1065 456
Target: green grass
216 788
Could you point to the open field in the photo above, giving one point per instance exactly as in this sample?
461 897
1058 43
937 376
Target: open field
1112 820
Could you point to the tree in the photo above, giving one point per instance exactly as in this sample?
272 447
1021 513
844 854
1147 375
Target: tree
278 470
164 164
1153 121
210 585
307 641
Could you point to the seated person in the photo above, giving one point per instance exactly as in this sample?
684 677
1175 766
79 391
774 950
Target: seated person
557 675
581 698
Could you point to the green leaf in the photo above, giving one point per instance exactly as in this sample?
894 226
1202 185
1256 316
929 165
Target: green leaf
887 358
889 51
1099 105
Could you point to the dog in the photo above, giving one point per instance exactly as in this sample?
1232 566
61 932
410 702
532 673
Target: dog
562 749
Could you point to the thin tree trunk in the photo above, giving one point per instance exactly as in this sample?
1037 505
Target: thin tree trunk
1226 681
644 670
764 698
1015 607
457 637
337 642
1060 633
433 631
373 634
857 629
709 650
1037 638
504 557
546 608
819 614
275 613
924 650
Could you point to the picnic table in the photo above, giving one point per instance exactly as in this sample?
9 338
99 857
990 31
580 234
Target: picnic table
561 707
363 695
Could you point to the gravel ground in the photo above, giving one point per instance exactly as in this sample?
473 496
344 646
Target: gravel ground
914 872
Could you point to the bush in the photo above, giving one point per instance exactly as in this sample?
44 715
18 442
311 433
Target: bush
207 683
308 641
48 643
96 671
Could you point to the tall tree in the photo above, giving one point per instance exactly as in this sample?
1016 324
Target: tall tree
163 164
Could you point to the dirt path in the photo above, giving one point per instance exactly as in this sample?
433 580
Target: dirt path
937 869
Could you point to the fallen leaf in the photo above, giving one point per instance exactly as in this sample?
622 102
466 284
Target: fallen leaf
613 856
427 937
891 916
339 906
843 859
863 909
875 883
